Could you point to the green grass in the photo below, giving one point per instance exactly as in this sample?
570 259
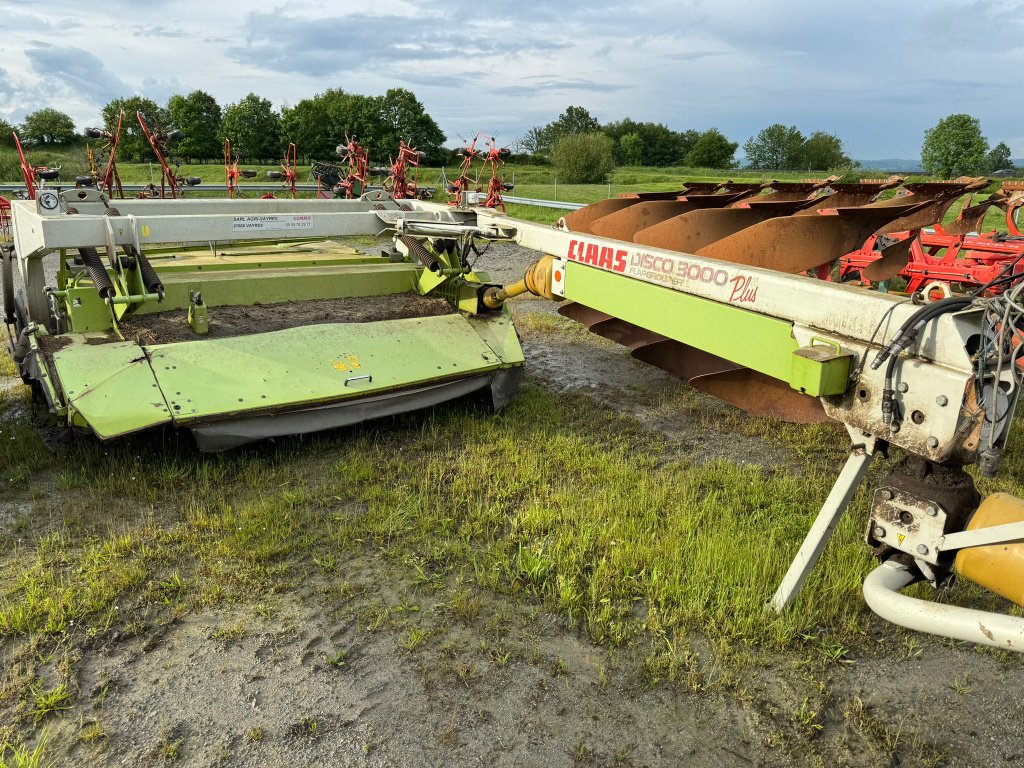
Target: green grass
556 501
7 368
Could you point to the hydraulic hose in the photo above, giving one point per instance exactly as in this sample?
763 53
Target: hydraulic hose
902 339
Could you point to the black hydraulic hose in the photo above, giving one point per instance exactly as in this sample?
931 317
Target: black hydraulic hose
903 338
908 332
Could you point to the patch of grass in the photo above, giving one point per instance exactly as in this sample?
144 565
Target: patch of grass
336 658
168 747
7 367
555 501
229 633
466 605
545 323
254 734
92 732
305 726
22 756
22 450
414 638
807 716
48 702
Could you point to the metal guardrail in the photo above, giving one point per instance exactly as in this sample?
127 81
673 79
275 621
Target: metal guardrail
544 203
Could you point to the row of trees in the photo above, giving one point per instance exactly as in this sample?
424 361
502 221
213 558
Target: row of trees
634 143
783 148
584 150
257 132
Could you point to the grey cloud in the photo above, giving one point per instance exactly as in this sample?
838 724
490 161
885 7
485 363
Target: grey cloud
317 47
156 30
585 86
75 71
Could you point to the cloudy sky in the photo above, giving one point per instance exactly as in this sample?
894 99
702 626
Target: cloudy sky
876 72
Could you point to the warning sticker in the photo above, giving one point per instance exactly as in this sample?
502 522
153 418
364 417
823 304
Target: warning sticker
272 222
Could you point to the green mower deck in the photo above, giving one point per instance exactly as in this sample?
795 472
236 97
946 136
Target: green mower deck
239 341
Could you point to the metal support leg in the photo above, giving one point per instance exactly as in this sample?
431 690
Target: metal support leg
814 544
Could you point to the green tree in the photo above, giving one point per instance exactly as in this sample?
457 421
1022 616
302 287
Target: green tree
712 150
777 148
573 121
661 145
402 116
253 127
530 143
317 125
6 134
631 149
133 147
822 151
583 158
198 117
48 126
998 158
954 147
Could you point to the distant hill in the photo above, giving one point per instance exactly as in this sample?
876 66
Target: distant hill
894 164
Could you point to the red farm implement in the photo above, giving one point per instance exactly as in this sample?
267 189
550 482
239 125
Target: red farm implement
923 251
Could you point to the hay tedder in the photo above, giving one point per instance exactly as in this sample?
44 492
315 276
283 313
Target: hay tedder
248 335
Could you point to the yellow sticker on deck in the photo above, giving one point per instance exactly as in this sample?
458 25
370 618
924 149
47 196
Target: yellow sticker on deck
347 361
900 537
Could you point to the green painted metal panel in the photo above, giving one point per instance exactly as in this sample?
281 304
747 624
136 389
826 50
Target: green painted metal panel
762 343
110 388
218 378
820 369
500 334
272 286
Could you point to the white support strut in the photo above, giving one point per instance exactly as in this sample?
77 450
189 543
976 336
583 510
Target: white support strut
817 538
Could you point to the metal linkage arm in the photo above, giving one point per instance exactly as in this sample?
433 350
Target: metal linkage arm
817 538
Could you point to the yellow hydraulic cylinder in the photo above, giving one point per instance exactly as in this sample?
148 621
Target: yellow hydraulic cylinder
998 567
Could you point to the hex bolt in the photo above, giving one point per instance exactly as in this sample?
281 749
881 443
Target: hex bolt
922 549
894 428
903 386
886 494
941 400
932 442
879 532
931 511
